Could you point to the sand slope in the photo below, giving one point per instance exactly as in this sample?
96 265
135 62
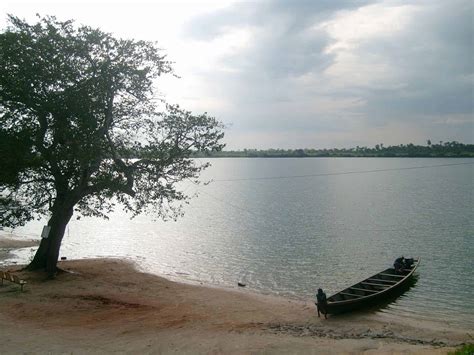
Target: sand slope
106 305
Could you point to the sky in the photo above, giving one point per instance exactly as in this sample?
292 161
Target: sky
303 73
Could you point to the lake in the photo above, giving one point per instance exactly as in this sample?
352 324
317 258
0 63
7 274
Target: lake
289 226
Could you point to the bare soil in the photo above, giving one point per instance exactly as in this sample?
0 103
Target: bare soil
106 305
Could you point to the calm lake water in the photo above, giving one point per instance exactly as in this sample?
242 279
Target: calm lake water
320 228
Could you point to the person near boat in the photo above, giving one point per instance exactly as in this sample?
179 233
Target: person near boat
321 302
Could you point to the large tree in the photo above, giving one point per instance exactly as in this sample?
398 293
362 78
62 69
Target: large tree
81 129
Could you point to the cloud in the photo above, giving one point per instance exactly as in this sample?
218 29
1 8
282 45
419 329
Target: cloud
284 42
423 66
307 73
266 73
266 13
334 66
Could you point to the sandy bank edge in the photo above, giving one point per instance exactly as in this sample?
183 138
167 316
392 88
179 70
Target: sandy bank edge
12 241
99 300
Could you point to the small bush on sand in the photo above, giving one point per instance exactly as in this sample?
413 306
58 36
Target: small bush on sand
467 349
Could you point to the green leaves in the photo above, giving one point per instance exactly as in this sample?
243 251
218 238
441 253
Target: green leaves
77 106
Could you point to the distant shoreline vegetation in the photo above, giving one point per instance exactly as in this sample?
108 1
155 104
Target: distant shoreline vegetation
440 150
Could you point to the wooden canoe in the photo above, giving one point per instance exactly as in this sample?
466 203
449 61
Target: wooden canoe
372 290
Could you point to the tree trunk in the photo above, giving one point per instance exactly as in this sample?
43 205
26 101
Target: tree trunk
47 255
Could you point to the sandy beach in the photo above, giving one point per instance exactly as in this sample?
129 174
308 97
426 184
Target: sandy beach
107 305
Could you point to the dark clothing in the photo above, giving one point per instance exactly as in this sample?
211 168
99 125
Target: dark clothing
399 264
321 302
409 263
321 297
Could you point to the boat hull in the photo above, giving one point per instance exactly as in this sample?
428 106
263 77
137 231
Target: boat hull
383 287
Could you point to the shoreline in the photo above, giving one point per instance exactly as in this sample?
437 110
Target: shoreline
373 312
97 300
10 242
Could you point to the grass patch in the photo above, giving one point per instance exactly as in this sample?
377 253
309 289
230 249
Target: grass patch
467 349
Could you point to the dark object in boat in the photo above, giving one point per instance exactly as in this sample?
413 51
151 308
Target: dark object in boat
240 284
402 263
371 290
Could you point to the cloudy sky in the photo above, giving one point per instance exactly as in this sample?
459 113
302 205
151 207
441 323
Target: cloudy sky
295 74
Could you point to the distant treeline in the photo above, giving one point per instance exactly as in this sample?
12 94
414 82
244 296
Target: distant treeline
442 149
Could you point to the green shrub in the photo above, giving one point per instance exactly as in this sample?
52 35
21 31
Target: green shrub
467 349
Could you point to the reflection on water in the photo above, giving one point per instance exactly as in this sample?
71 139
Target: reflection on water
383 305
291 236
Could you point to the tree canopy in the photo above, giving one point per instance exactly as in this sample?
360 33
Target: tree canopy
76 105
